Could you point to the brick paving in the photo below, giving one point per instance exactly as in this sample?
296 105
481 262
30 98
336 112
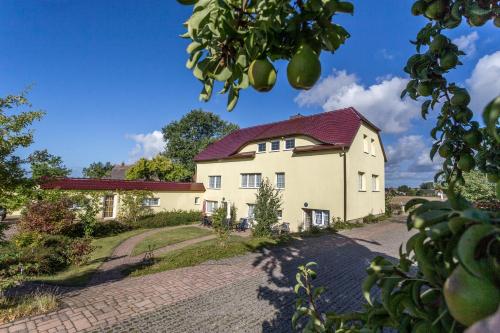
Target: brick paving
250 293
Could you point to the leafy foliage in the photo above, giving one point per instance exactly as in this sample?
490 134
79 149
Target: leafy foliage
221 225
15 134
48 216
477 187
158 168
168 219
457 247
267 204
98 170
46 166
228 36
132 206
193 133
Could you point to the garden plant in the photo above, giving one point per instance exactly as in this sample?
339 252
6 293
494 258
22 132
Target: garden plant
448 274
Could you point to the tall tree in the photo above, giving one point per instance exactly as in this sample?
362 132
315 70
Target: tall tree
98 170
158 168
192 133
45 165
15 133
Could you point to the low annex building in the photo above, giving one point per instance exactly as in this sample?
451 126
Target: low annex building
166 195
327 166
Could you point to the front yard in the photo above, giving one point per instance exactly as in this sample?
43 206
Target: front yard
169 237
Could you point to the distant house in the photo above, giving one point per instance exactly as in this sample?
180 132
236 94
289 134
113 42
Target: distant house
119 171
328 165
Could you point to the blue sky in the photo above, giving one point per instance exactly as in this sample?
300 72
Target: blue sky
111 73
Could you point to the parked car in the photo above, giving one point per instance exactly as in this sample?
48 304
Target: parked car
3 213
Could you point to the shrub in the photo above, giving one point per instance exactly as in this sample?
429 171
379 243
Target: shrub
168 219
221 225
132 206
109 228
48 216
79 251
267 204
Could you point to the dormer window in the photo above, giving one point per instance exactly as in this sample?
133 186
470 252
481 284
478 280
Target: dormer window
261 147
290 143
275 145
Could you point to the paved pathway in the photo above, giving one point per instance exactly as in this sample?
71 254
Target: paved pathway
250 293
111 270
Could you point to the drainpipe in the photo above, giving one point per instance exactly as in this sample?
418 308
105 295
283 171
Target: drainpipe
344 153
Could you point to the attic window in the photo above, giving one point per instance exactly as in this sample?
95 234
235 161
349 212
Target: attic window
261 147
290 143
275 145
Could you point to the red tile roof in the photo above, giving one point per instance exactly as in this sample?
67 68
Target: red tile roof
332 128
116 184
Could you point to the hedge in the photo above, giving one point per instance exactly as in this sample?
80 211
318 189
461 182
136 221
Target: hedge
168 219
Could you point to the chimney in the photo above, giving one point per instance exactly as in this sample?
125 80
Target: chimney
296 116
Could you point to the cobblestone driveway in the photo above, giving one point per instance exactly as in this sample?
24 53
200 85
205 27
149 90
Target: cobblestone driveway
251 293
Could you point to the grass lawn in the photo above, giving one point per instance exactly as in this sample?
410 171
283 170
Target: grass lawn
209 250
12 308
169 237
78 276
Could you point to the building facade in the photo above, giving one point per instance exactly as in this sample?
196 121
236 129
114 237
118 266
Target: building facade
326 166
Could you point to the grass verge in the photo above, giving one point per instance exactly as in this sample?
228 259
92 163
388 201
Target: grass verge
169 237
12 308
208 250
80 275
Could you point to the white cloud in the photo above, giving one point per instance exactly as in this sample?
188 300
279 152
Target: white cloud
147 145
467 43
409 161
381 102
386 54
484 83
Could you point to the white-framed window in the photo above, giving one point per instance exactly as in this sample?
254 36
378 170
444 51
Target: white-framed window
196 200
211 206
372 147
275 145
280 180
151 202
365 144
251 180
320 218
375 183
214 182
261 147
251 211
290 143
280 214
361 181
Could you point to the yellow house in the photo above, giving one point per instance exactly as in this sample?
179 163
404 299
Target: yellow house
327 166
166 196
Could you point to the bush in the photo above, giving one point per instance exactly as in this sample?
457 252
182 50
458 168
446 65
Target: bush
109 228
168 219
79 251
267 204
221 225
54 217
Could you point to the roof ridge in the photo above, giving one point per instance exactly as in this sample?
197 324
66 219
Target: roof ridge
118 180
350 108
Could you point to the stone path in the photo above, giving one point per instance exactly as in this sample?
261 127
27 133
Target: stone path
121 258
250 293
